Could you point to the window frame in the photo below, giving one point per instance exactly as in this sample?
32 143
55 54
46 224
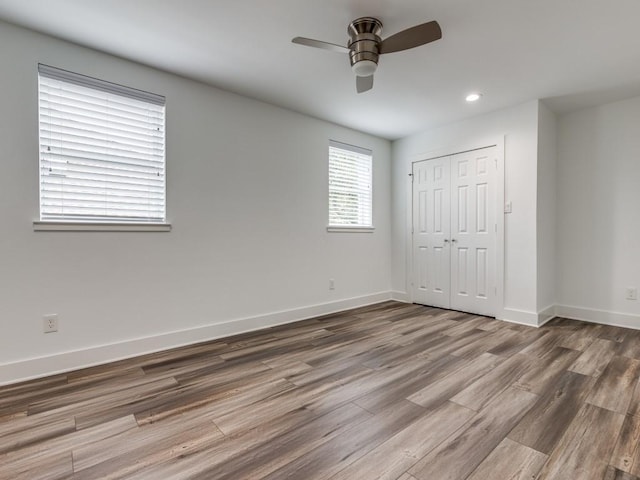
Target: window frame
346 228
109 222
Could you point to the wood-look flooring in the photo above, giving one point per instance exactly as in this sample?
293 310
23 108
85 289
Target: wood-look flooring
390 391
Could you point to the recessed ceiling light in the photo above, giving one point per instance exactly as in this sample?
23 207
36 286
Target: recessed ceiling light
473 97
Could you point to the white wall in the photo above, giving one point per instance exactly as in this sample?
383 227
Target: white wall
546 212
599 213
247 197
519 126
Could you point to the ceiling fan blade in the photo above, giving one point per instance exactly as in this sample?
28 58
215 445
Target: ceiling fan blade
309 42
412 37
364 83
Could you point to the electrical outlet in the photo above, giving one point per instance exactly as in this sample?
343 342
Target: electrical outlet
50 323
332 284
632 293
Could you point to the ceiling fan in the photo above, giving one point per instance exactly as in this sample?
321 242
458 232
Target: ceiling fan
365 45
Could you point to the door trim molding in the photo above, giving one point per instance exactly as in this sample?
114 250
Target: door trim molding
463 147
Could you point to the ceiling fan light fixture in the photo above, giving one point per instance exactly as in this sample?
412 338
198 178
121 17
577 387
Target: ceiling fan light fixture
364 68
473 97
365 45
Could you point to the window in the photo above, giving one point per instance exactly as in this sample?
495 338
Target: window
102 151
350 187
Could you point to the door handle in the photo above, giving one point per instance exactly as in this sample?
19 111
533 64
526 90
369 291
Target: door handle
446 240
453 240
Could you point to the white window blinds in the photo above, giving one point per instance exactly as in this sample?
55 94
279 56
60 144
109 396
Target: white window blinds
102 150
350 186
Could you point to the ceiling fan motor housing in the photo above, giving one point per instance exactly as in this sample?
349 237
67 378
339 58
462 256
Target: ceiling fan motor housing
364 42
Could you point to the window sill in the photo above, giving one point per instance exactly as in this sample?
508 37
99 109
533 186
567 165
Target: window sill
100 227
336 229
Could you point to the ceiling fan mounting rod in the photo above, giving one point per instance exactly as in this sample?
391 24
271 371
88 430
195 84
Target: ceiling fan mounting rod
365 25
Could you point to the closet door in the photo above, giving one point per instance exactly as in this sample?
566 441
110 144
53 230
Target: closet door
473 231
454 232
431 232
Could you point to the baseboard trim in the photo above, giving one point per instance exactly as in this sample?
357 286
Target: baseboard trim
521 317
400 296
546 315
33 368
604 317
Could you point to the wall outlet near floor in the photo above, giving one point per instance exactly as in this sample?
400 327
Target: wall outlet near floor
332 284
632 293
50 323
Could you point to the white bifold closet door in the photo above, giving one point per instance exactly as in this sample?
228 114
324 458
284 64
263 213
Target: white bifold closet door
454 231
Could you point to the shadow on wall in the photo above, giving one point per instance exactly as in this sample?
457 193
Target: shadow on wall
586 201
575 101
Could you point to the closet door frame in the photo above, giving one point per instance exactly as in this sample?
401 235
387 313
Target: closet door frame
461 147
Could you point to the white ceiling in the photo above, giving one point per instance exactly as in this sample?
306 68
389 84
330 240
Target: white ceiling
574 53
